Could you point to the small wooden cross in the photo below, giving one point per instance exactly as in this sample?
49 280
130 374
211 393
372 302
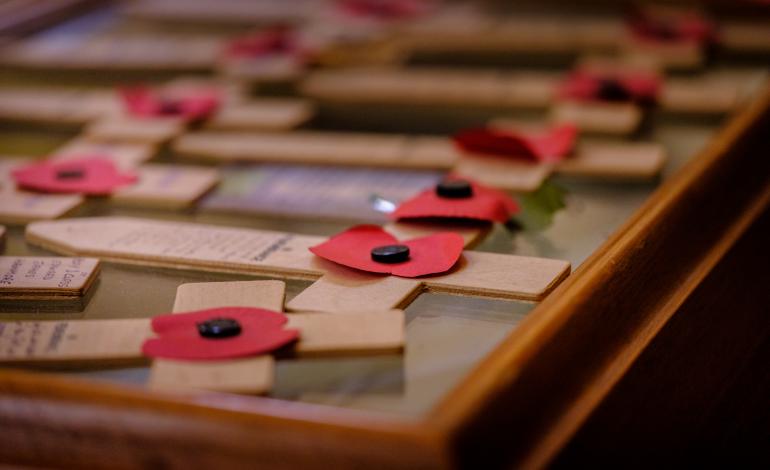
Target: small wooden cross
20 206
286 255
158 185
594 158
109 342
101 115
511 90
119 52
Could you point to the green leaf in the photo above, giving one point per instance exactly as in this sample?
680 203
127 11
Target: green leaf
538 208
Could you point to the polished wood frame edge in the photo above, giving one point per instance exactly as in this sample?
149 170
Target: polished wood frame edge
466 409
526 386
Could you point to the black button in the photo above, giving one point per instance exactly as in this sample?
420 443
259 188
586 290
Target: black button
664 30
217 328
454 189
390 254
170 107
71 174
612 90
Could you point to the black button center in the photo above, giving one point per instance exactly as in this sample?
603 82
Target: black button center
70 174
454 189
390 254
612 90
217 328
170 107
665 30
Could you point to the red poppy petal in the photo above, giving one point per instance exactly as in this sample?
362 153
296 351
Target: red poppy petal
428 255
190 345
433 254
261 332
555 144
486 204
388 10
353 247
100 176
550 146
643 87
488 141
279 40
163 324
687 27
509 204
583 85
144 102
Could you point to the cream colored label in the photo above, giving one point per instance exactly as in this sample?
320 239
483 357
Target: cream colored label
50 273
181 241
73 340
186 243
30 339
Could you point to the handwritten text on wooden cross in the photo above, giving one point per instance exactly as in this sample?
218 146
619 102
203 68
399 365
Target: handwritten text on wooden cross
109 342
266 253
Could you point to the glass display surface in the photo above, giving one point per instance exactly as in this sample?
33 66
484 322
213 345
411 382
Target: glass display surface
447 335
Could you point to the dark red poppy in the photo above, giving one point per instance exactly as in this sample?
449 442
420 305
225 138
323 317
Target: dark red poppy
552 145
637 87
180 335
484 203
386 9
92 175
682 27
274 41
354 247
190 105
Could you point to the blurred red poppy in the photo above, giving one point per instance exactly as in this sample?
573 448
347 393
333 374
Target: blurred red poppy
91 175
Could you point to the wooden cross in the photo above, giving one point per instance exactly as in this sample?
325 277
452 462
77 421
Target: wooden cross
126 53
461 30
164 186
591 158
109 342
511 90
101 112
266 253
20 207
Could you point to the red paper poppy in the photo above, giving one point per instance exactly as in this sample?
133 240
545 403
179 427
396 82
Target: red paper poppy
95 176
484 204
144 102
386 9
433 254
685 27
553 145
261 332
275 41
637 87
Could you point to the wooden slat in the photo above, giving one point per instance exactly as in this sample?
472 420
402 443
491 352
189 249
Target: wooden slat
196 246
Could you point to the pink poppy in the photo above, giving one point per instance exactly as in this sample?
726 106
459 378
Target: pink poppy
386 9
587 86
372 249
218 333
684 27
94 176
553 145
144 102
470 201
275 41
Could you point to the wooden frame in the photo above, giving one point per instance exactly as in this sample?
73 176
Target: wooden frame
520 406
